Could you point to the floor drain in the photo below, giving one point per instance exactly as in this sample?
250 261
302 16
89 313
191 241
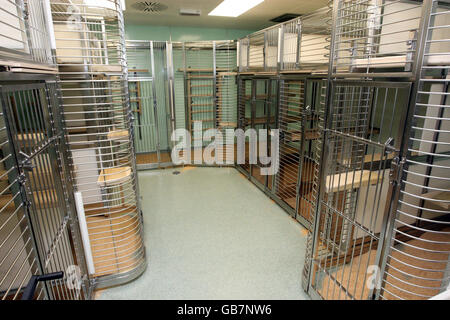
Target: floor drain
176 172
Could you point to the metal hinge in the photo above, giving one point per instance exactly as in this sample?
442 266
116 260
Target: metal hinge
395 175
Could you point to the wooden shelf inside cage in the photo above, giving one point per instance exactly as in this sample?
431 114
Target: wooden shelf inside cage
112 176
107 68
298 136
351 180
117 134
442 199
205 70
45 198
30 136
227 124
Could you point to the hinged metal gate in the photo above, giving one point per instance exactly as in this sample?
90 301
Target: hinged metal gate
359 175
38 196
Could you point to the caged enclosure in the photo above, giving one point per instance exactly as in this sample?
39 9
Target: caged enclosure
348 104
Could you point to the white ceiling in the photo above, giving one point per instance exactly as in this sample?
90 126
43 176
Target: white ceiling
256 18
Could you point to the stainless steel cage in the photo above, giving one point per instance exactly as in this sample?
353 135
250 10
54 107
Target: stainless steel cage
205 94
25 37
39 230
305 42
375 37
299 44
381 224
98 119
148 89
257 110
416 264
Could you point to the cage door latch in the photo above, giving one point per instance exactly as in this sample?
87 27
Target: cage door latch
395 174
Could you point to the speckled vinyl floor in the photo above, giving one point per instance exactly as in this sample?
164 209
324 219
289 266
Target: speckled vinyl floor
211 234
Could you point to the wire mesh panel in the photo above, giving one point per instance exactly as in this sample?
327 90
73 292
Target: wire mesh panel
375 37
312 130
178 58
243 45
201 96
271 49
256 51
315 40
147 70
291 44
226 96
245 115
24 33
417 263
18 256
34 171
91 57
260 122
366 124
291 105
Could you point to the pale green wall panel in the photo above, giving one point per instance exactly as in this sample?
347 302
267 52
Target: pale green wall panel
163 33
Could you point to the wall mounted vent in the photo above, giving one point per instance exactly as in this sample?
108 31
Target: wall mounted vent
190 12
149 6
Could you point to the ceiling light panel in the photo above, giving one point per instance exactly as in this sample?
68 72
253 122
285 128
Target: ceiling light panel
234 8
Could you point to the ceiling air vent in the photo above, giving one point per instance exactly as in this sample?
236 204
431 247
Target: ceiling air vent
285 17
149 6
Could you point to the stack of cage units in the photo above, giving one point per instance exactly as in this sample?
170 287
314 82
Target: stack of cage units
381 229
91 58
208 71
38 227
282 86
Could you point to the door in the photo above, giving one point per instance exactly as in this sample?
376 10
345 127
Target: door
39 231
147 82
362 141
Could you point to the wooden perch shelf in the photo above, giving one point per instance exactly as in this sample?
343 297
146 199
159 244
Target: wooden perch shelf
117 134
297 136
351 180
113 176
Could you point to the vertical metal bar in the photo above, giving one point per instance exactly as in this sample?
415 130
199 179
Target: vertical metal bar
301 149
215 104
299 41
171 88
155 105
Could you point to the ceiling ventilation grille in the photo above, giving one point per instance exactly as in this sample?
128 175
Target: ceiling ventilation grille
149 6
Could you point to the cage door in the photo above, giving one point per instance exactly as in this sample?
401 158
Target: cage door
36 144
362 141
